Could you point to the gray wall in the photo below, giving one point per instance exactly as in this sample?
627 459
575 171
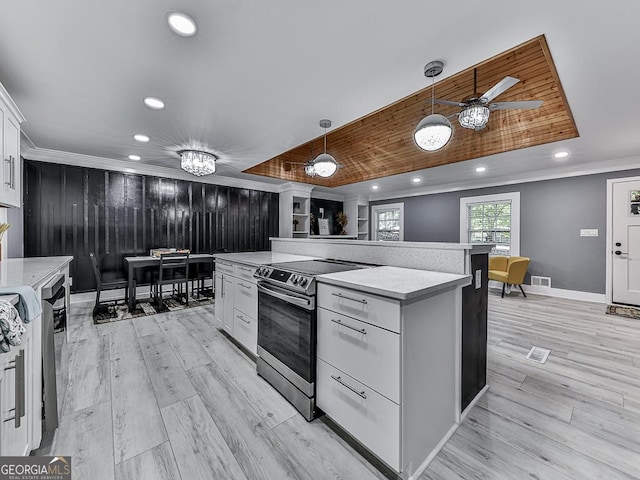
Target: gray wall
552 212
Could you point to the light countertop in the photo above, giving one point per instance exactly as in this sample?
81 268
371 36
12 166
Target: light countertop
473 247
395 282
15 272
261 258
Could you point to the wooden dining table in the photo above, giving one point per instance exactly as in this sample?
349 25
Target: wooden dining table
134 263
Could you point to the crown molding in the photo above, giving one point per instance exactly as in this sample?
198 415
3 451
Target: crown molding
336 197
13 108
80 160
568 171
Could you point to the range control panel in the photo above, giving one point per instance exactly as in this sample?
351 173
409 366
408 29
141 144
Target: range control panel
284 278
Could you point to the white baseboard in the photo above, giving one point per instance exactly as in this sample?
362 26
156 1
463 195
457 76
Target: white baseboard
118 294
473 403
557 292
423 466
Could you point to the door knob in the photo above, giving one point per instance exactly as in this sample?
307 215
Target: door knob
618 252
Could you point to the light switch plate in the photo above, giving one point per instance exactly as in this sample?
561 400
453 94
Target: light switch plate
588 232
478 279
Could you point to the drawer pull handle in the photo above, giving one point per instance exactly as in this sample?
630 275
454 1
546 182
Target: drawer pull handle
244 320
245 286
246 269
343 383
359 330
363 301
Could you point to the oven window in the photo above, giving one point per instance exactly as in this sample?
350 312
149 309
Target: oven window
288 333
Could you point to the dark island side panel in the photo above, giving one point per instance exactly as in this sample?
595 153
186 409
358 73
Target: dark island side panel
76 210
474 331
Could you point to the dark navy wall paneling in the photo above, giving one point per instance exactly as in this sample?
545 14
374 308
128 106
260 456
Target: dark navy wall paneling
76 210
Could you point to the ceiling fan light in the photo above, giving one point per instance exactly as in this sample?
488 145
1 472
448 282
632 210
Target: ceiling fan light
474 116
324 165
433 132
197 163
310 169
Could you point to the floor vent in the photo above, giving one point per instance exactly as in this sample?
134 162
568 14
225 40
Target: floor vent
538 355
541 281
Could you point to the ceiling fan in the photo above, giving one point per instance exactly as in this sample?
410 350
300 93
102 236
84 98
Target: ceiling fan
476 108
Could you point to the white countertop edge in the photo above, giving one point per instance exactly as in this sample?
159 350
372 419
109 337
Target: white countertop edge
64 260
422 245
463 281
256 259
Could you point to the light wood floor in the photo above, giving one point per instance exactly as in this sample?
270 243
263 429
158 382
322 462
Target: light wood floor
169 397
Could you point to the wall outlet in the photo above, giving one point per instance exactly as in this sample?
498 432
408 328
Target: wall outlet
478 279
588 232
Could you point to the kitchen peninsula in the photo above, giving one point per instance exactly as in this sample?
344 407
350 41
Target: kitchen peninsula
391 341
21 369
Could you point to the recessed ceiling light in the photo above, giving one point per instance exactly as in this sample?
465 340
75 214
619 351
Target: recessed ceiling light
481 169
375 187
416 180
134 157
154 103
181 24
562 154
141 137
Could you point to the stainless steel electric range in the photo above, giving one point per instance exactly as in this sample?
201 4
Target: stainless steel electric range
287 327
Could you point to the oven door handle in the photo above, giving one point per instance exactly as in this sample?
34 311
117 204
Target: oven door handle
304 302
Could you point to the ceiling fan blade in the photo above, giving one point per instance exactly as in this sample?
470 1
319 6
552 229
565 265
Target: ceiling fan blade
499 88
449 102
516 105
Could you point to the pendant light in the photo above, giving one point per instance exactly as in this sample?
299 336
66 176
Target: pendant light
434 131
324 165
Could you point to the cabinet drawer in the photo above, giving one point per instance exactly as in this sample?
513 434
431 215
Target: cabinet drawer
246 297
245 331
374 309
367 353
244 271
224 267
372 419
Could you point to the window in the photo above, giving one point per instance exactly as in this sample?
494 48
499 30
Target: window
388 222
492 219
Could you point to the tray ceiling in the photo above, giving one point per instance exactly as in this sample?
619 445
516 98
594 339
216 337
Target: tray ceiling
381 143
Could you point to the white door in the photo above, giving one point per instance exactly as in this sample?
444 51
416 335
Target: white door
625 265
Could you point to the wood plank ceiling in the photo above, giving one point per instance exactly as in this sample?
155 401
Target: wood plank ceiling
381 143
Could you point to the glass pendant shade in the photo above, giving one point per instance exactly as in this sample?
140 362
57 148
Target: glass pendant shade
197 162
474 117
324 165
433 132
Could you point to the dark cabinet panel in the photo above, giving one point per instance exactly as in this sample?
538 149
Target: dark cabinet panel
76 210
474 332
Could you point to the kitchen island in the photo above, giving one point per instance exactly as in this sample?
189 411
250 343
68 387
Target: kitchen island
388 365
390 348
21 374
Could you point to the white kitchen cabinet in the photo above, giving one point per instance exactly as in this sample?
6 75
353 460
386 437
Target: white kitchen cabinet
10 175
227 293
224 286
236 307
14 396
219 300
245 331
388 370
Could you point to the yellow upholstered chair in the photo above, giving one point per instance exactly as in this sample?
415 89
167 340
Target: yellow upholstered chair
508 270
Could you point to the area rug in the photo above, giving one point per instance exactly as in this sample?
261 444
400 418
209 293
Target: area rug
146 306
624 311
